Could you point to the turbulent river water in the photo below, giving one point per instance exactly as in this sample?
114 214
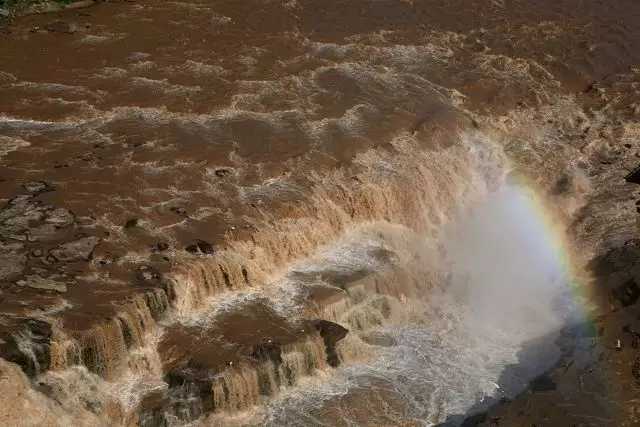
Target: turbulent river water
308 213
503 293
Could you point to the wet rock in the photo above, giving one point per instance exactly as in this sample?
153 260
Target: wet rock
42 233
331 333
200 247
77 250
635 336
19 213
474 420
12 260
86 221
54 221
190 384
223 172
24 218
61 27
60 218
562 185
627 294
160 247
179 210
633 176
38 282
29 347
543 383
132 223
37 187
268 350
146 274
153 417
105 261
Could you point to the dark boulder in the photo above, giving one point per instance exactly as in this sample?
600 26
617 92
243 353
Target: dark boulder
132 223
222 172
633 176
543 383
29 347
627 294
200 247
178 210
474 420
268 350
61 27
331 333
188 385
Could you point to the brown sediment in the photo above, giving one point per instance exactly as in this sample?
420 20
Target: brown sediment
199 150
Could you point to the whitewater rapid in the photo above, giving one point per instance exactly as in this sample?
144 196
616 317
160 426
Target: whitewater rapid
488 329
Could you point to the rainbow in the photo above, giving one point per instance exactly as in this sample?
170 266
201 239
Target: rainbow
548 225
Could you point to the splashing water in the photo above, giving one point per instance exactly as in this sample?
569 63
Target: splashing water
488 331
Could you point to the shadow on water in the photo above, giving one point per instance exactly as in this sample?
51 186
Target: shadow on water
543 363
537 361
582 371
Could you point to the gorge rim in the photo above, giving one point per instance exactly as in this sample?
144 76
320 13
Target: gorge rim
307 213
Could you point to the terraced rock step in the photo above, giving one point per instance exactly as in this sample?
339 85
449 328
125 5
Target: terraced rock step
207 384
246 349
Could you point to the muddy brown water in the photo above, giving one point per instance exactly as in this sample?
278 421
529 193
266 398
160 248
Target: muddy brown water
159 159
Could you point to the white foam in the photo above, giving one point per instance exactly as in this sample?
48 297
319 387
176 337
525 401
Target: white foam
462 356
